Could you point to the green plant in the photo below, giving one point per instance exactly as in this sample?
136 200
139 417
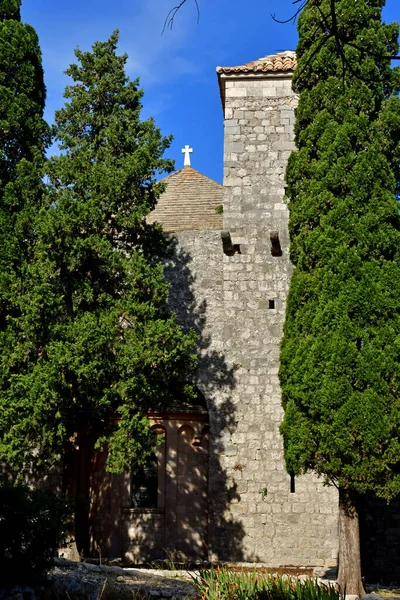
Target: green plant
173 561
170 560
31 529
264 492
222 584
97 338
340 356
219 209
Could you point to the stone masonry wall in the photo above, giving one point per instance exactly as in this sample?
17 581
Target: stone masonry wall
236 301
273 523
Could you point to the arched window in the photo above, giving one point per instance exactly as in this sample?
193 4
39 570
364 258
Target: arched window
144 484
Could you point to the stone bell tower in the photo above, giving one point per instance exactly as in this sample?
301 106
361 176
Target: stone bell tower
285 521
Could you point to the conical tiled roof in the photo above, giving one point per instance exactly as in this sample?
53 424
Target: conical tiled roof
189 202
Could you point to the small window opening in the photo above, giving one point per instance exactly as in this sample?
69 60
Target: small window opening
271 304
229 248
276 249
292 484
144 484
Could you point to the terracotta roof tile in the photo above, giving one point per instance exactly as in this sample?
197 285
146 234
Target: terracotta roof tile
281 61
188 203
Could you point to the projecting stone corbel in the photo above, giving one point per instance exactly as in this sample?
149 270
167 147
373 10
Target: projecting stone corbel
229 248
276 249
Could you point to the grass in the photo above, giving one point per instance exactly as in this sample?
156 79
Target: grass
223 584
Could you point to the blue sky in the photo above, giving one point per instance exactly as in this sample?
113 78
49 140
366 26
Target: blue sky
176 69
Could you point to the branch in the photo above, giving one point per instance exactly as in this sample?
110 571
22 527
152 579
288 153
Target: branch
293 17
170 18
332 29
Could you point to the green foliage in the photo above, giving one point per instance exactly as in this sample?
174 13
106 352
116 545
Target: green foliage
31 528
23 138
264 492
340 356
22 92
215 584
95 340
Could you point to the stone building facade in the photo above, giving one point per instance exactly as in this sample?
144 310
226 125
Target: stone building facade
223 492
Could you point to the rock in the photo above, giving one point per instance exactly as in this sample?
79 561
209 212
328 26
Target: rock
65 563
90 567
117 570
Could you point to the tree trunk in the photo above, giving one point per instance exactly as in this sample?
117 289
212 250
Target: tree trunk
70 551
82 501
76 490
349 577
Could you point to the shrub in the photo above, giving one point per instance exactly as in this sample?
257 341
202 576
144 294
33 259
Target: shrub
216 584
31 527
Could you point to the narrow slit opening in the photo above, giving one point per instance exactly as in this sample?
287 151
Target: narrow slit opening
292 484
271 304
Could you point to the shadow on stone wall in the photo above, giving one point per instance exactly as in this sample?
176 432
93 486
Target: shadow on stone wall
380 540
196 295
108 493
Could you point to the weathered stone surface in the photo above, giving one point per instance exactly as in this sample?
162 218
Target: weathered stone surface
232 290
237 304
253 514
278 527
79 579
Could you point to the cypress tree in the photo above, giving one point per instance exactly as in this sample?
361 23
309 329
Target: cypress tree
340 355
24 136
96 347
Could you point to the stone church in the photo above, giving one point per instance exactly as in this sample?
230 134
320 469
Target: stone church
217 489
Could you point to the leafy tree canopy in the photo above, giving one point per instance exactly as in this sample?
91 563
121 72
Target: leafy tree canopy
94 346
10 9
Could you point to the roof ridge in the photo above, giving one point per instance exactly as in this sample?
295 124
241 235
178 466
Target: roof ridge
280 61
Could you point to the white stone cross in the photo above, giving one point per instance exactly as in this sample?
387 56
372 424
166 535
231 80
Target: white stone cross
187 152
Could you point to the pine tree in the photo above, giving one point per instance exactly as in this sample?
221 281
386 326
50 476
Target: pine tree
340 356
96 346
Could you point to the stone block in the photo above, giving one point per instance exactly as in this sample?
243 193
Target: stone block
270 92
234 147
236 92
